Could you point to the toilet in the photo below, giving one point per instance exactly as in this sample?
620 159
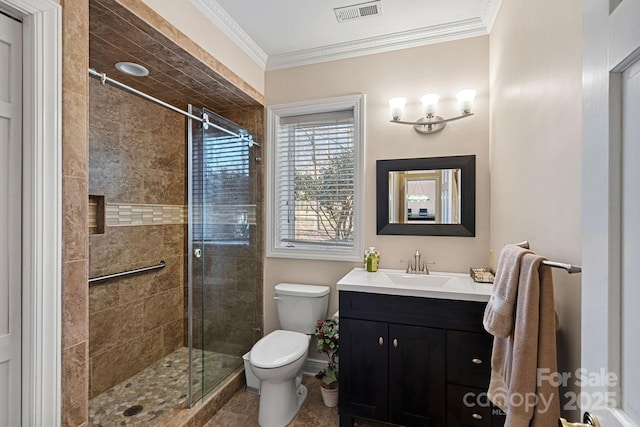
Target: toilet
277 358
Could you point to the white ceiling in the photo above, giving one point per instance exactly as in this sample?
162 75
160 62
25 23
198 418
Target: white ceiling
285 33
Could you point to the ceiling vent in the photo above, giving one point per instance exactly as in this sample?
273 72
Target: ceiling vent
358 11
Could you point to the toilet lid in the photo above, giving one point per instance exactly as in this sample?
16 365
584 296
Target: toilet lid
279 348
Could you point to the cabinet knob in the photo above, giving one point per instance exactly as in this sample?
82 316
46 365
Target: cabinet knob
395 343
476 416
477 361
381 341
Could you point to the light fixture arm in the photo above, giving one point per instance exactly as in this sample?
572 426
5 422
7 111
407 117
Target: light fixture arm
430 123
426 125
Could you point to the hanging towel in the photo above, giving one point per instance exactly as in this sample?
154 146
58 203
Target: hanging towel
498 314
523 363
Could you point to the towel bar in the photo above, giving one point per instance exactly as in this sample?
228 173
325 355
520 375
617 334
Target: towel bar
568 267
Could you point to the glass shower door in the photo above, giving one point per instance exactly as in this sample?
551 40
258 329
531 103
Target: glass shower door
224 262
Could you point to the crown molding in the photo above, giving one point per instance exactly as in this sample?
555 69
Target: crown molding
490 13
423 36
212 10
385 43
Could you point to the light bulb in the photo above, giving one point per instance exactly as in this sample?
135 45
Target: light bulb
429 104
397 106
465 100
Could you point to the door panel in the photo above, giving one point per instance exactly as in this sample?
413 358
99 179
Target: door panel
363 368
610 386
417 375
630 292
10 219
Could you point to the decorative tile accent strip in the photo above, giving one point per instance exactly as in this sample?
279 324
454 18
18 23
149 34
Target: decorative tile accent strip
229 214
136 214
117 215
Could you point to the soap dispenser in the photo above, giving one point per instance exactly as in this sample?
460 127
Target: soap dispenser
372 259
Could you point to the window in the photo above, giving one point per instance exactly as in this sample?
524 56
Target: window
314 185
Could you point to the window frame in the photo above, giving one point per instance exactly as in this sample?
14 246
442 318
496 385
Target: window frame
316 251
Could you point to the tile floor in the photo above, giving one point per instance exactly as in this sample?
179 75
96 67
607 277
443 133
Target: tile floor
160 388
242 411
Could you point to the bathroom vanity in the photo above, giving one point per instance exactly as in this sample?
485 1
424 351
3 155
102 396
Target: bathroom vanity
413 350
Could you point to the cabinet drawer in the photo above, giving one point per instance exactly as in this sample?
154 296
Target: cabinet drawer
430 312
469 358
467 407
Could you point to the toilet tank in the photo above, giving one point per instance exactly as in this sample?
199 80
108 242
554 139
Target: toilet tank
301 306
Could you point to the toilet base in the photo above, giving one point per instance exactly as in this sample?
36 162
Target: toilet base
280 402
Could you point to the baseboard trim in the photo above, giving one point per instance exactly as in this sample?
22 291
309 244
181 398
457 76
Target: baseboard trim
312 366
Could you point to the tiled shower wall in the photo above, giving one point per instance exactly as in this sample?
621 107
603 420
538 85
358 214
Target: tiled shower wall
75 92
136 156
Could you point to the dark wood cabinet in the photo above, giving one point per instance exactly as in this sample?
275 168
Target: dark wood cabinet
364 359
392 372
414 361
466 408
417 378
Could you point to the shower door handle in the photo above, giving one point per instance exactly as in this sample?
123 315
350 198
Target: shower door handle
197 253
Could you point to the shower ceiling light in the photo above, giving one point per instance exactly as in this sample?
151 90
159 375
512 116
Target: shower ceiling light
132 69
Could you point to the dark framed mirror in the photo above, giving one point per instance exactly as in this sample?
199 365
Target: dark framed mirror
430 196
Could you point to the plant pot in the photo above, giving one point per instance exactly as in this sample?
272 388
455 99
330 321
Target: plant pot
329 396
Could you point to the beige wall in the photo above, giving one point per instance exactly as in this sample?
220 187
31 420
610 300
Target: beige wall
445 68
187 18
536 68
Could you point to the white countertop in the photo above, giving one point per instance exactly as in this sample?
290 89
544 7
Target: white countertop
453 286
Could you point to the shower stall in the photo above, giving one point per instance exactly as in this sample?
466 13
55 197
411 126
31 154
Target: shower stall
175 253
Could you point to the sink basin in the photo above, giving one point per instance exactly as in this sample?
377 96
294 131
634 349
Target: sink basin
455 286
433 280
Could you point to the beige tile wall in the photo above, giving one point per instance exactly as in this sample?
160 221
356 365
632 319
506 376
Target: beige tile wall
136 155
75 331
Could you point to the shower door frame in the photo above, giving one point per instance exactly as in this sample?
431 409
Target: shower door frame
190 253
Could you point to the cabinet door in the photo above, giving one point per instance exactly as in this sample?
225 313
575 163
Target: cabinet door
417 376
363 369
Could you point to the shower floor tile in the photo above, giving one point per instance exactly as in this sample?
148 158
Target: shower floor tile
160 388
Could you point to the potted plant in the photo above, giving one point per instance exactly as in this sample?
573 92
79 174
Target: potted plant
327 340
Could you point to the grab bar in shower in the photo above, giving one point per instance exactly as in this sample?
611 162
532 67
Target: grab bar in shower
158 266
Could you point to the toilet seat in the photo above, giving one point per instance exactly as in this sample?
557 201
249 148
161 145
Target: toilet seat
279 348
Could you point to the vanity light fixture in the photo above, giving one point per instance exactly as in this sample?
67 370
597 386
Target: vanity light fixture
430 123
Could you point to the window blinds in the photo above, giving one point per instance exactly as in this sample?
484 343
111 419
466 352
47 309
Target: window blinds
315 179
221 189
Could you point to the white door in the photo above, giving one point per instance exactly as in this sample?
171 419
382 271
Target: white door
10 219
630 247
611 213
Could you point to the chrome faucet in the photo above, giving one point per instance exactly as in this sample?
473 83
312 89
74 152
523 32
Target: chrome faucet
417 267
416 257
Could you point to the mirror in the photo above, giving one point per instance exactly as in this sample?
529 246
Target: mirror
432 196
